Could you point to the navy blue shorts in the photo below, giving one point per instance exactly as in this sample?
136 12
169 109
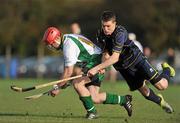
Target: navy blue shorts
94 81
140 71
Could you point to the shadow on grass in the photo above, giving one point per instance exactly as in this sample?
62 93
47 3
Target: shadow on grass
39 115
69 115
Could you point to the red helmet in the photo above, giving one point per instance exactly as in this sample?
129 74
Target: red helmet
51 34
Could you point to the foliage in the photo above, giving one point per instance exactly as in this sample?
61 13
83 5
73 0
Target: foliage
22 22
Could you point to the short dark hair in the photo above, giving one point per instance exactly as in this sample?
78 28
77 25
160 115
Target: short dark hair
108 15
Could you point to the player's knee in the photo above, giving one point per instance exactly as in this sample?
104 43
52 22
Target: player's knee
162 84
77 85
96 100
163 87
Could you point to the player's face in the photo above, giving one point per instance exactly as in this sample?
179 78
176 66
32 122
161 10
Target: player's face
108 27
57 42
55 45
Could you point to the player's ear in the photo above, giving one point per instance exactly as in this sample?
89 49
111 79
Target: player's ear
114 22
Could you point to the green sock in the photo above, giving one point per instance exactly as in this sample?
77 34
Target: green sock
88 104
114 99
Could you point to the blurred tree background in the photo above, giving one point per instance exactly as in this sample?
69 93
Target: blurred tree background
23 22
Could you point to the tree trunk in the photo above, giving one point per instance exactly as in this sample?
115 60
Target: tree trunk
40 55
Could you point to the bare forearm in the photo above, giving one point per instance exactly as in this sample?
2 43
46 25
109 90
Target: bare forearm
106 63
66 74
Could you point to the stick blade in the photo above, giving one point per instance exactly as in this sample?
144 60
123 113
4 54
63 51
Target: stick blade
33 97
15 88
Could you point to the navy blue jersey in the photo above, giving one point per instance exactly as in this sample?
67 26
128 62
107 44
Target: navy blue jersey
118 42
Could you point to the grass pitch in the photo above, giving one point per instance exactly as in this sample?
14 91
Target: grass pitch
66 107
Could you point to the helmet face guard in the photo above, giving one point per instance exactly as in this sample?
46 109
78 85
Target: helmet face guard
55 46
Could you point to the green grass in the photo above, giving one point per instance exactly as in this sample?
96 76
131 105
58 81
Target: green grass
66 107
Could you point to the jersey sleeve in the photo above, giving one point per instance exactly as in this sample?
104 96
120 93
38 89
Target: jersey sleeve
70 52
120 39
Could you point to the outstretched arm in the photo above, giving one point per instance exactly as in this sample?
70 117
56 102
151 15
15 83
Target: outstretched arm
110 61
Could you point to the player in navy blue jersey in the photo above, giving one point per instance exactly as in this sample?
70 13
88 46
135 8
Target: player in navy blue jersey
127 58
